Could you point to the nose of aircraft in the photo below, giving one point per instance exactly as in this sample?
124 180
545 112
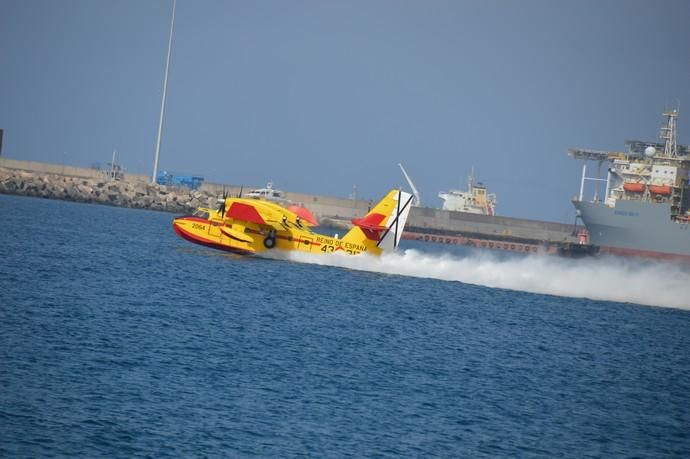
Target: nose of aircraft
177 223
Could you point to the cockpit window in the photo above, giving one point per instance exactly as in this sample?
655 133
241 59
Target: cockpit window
201 214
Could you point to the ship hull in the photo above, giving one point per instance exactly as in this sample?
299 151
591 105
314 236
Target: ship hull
634 228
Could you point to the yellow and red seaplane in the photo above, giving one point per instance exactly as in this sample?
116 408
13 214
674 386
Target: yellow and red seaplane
255 226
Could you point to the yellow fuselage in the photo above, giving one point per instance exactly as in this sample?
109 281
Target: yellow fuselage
250 226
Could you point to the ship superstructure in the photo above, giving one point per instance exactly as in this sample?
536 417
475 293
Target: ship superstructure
645 205
474 201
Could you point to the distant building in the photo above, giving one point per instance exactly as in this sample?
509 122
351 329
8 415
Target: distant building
190 181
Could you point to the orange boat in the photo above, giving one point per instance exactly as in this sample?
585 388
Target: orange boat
634 187
660 189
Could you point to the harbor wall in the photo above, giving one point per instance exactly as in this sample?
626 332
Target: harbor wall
98 189
55 181
59 169
504 228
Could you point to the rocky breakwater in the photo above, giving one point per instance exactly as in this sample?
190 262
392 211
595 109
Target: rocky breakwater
138 195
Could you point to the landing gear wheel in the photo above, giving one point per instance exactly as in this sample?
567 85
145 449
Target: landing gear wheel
270 240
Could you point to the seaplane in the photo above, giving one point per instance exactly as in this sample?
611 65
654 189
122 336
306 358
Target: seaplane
250 226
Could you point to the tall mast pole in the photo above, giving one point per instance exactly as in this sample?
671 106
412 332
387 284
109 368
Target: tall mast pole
417 197
165 93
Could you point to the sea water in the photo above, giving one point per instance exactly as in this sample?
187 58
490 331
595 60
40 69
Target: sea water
120 339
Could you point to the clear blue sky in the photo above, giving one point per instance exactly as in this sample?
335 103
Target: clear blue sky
319 96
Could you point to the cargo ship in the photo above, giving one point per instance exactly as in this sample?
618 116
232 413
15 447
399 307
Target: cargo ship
644 209
474 201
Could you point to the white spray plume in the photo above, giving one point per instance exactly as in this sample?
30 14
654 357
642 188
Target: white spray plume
612 279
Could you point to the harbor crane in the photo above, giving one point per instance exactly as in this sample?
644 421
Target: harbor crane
417 202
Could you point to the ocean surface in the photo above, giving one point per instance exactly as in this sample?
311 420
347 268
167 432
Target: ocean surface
120 339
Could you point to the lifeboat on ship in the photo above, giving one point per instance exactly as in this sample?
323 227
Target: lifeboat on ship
634 187
660 189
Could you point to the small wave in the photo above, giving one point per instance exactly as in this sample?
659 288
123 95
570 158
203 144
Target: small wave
604 278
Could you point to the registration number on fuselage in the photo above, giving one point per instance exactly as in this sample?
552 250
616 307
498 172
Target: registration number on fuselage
329 245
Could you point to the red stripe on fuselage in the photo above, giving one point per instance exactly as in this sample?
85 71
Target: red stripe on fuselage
298 240
285 238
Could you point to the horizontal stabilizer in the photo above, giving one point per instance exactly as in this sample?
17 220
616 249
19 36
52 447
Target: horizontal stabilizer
371 225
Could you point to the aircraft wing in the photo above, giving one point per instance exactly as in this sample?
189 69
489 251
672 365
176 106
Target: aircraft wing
260 213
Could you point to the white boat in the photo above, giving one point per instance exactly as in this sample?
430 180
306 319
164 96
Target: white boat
269 194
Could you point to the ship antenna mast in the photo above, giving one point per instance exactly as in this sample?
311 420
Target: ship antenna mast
165 93
668 134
